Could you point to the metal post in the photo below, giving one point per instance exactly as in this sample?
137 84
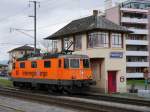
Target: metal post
34 26
35 23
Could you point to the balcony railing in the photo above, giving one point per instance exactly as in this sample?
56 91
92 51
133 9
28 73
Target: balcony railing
137 64
137 42
139 31
134 75
134 20
137 53
134 10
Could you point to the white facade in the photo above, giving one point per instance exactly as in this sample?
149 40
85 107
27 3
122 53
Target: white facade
136 20
137 41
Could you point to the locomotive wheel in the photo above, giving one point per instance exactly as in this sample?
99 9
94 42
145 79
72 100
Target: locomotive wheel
15 84
68 90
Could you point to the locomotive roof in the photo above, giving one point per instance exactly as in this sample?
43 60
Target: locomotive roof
74 56
48 56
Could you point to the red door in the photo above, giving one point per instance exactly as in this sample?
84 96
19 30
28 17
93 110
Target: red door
112 81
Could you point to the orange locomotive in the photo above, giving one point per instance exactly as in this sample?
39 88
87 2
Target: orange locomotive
55 72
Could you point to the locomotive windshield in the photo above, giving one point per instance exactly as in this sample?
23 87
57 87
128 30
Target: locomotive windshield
74 63
71 63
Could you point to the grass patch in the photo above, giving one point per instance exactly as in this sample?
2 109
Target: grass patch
6 83
136 82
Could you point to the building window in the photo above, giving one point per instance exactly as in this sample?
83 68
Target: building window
116 40
78 42
22 65
98 39
33 64
65 43
54 44
21 52
47 64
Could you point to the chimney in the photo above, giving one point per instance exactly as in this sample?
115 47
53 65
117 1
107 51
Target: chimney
95 12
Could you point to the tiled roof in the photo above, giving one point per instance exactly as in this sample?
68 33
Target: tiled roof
87 24
25 47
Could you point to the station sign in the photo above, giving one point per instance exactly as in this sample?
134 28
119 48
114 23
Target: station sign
116 54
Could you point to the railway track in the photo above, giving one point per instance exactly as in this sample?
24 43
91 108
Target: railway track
132 101
84 104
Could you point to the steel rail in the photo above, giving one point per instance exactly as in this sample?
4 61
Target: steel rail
72 102
133 101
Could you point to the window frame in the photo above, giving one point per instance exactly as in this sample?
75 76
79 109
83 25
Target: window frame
83 63
70 63
45 61
99 39
59 63
116 40
65 43
24 65
77 39
14 65
34 63
66 67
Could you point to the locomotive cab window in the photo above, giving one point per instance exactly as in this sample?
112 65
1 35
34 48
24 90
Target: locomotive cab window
14 66
59 63
86 63
66 63
74 63
47 64
34 64
22 65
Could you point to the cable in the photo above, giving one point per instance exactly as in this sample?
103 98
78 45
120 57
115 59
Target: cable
53 24
13 44
18 13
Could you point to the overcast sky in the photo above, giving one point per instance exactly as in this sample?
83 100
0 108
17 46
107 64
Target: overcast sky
51 16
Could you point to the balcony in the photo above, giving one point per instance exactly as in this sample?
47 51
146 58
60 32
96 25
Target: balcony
137 53
134 20
134 10
137 42
139 31
134 75
137 64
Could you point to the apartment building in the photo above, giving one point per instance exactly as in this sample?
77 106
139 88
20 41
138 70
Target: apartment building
133 14
104 42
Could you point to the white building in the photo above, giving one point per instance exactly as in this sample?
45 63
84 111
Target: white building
133 14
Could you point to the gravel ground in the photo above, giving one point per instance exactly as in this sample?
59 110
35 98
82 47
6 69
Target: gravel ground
17 105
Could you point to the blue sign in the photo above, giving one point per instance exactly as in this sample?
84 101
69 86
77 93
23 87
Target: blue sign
116 54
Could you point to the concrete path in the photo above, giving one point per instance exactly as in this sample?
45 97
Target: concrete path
16 105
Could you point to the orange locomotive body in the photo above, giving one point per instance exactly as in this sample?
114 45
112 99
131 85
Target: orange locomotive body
58 72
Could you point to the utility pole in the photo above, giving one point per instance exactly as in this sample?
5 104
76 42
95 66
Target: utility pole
35 22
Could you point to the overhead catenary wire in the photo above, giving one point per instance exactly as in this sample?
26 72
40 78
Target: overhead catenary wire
52 24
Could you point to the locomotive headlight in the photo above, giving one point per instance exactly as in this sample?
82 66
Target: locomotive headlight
89 76
73 77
